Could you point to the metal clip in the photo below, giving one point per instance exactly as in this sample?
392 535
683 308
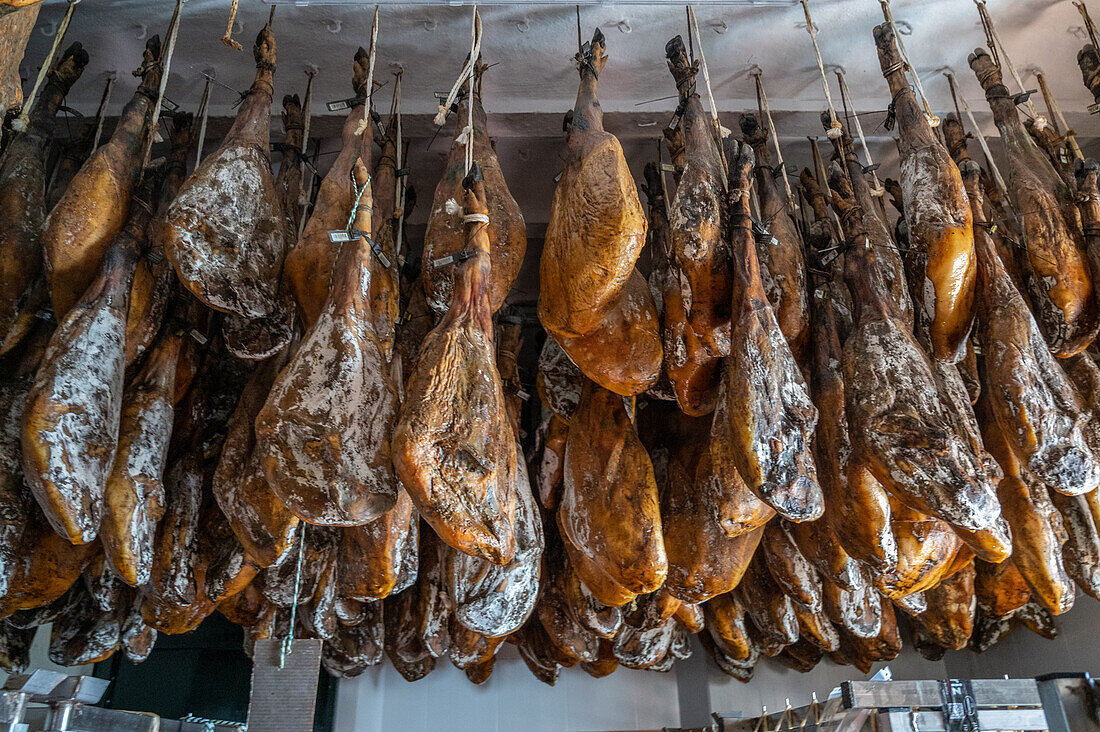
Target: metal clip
761 232
199 336
452 259
44 315
522 394
401 172
668 167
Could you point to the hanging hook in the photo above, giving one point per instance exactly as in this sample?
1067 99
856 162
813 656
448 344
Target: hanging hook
335 26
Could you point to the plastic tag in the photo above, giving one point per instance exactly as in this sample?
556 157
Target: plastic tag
198 336
342 236
960 711
343 104
452 259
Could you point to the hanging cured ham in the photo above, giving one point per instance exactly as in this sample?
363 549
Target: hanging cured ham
134 494
453 447
337 392
608 513
380 558
255 339
1059 277
856 505
597 225
940 224
224 233
259 519
445 234
154 282
23 192
84 223
770 414
782 259
896 416
698 285
1032 398
17 21
309 265
70 426
702 560
492 600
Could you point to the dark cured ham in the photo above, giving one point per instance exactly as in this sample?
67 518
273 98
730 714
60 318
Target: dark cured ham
698 284
23 190
70 426
446 234
940 223
1059 276
324 434
224 233
782 257
454 449
770 414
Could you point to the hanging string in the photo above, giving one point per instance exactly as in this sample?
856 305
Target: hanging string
468 72
165 67
834 123
303 166
762 100
227 39
978 133
101 113
1090 27
19 124
694 23
469 131
1001 55
1059 121
846 98
399 179
888 14
364 124
204 114
288 642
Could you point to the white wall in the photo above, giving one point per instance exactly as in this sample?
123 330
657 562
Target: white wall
514 701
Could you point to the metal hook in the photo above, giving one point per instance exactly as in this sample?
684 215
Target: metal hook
429 24
50 29
523 25
718 26
335 26
623 26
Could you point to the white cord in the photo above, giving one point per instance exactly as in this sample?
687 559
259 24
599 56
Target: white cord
981 138
475 218
467 69
469 131
987 22
722 131
19 124
102 113
878 191
834 125
165 67
933 120
364 124
204 114
791 200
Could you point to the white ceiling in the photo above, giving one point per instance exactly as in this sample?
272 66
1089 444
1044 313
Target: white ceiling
535 81
533 46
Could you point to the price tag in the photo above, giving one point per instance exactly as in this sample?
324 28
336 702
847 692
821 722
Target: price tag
761 232
343 104
342 236
452 259
960 711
